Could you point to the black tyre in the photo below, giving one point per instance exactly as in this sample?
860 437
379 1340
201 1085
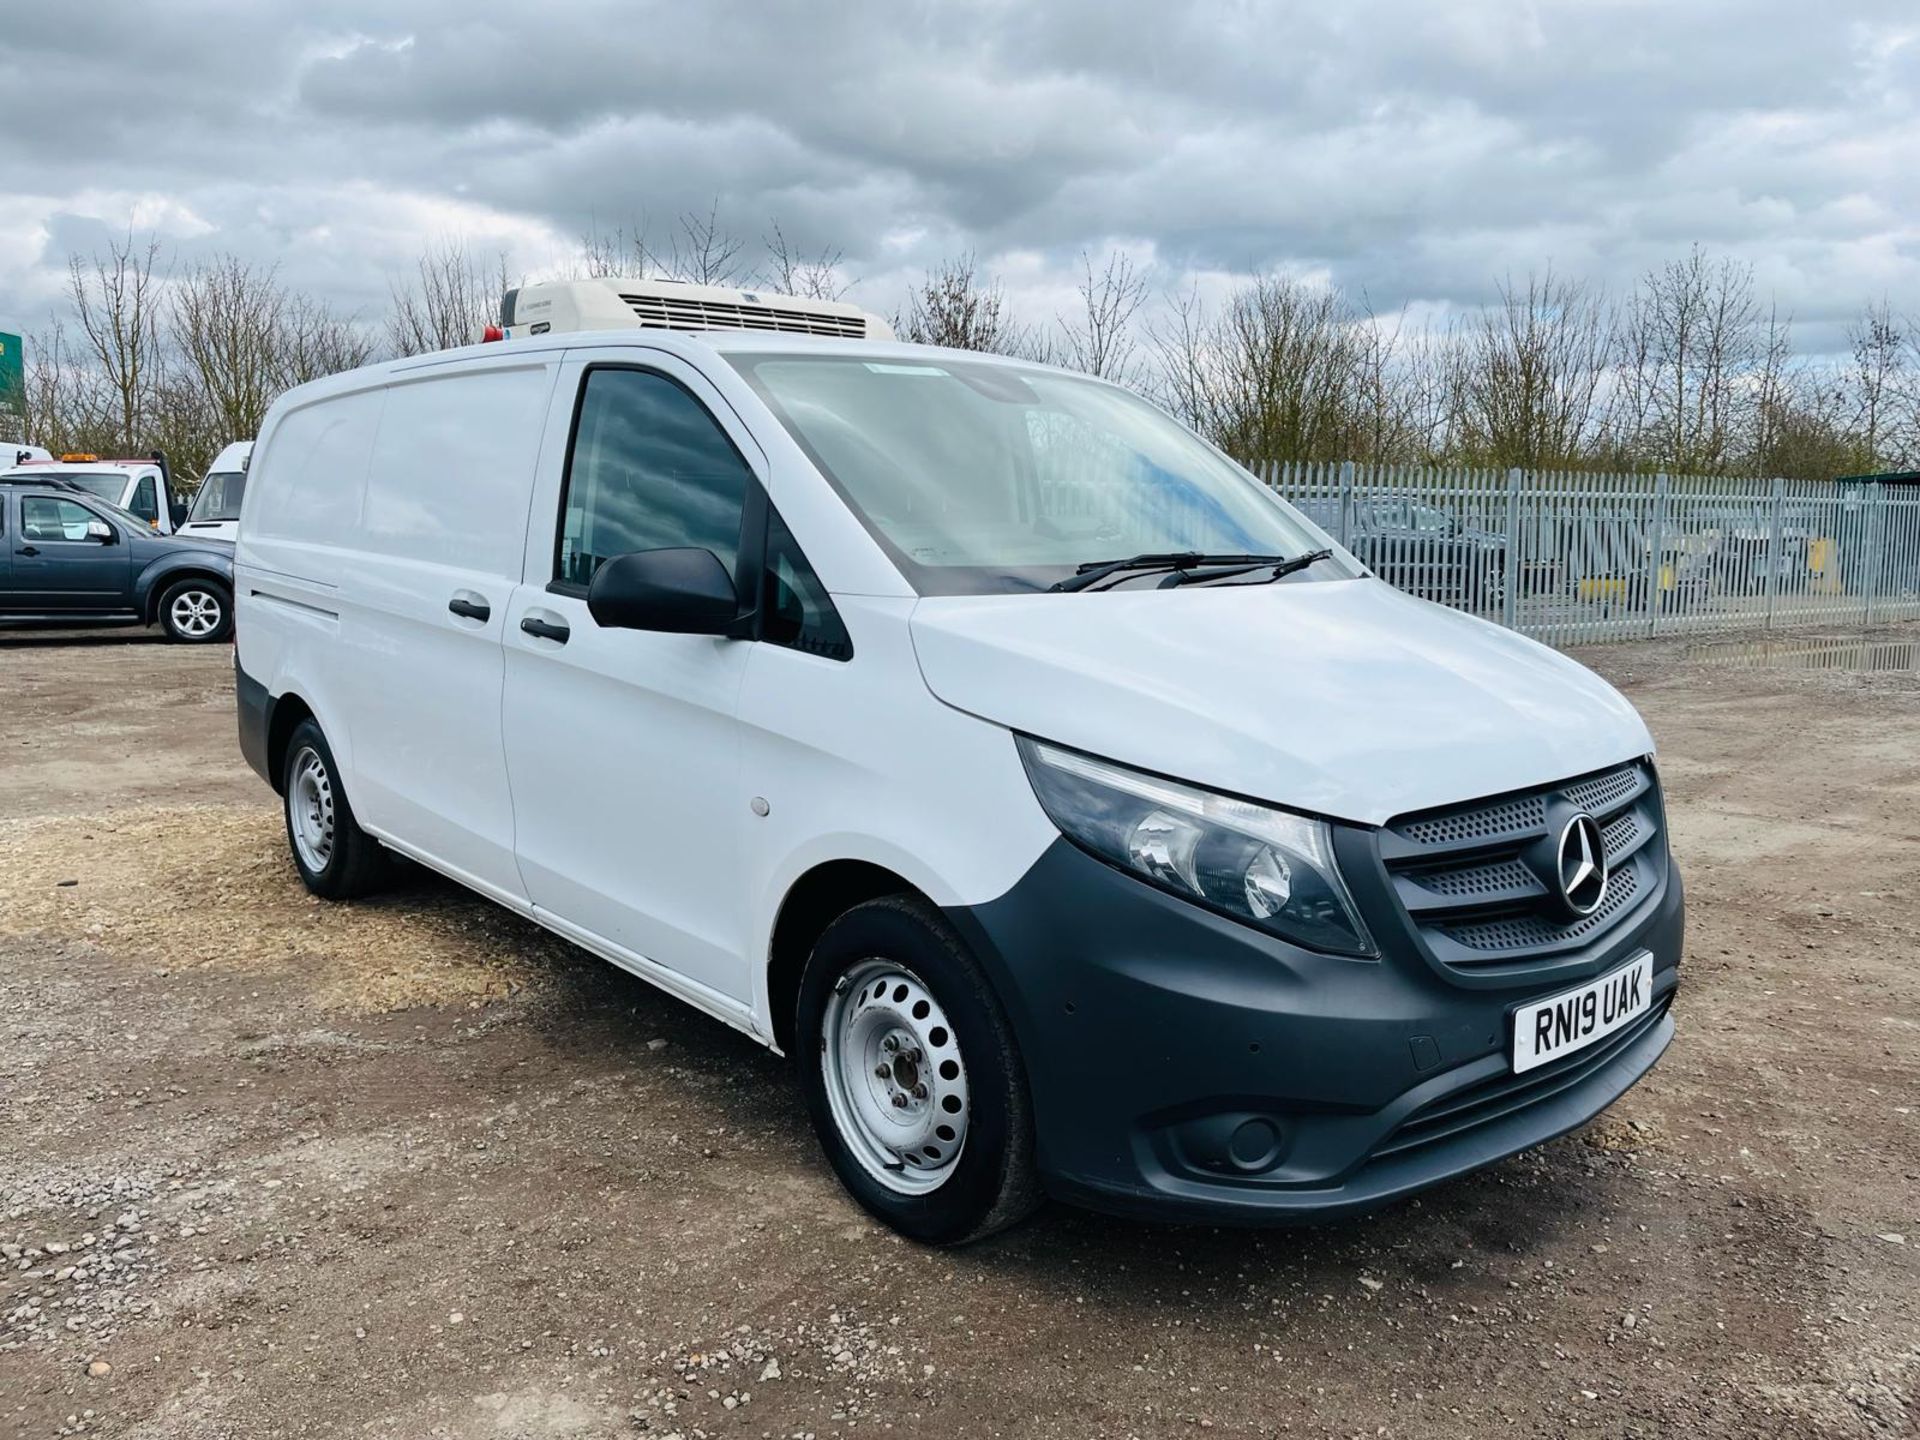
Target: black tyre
335 857
912 1076
196 611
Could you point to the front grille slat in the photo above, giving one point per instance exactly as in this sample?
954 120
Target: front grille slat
1477 879
1531 932
1503 882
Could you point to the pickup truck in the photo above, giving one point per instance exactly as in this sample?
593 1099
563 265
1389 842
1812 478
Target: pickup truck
68 557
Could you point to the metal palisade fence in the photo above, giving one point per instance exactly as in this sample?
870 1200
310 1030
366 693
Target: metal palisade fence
1575 557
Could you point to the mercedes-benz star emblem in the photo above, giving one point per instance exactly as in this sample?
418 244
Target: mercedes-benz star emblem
1582 865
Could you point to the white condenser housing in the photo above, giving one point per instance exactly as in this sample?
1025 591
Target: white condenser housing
614 303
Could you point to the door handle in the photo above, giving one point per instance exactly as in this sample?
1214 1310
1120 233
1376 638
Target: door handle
469 609
546 629
28 550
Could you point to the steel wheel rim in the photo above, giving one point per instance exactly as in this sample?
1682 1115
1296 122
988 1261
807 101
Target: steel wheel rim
310 809
196 613
895 1081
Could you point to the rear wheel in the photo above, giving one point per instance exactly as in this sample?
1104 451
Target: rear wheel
197 611
335 857
912 1076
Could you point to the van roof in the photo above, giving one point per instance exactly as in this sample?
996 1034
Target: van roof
759 342
231 457
672 342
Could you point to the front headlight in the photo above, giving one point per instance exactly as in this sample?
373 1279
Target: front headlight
1265 867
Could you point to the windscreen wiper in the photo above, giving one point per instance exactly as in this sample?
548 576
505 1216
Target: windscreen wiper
1095 571
1284 568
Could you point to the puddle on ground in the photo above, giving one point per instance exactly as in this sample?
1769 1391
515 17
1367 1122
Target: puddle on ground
1855 654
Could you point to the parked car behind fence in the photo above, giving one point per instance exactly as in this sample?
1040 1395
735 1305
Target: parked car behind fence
1571 557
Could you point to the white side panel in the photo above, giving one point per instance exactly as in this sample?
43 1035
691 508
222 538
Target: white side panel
858 761
301 506
444 522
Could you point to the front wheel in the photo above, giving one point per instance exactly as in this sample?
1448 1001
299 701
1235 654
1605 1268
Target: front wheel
912 1076
197 612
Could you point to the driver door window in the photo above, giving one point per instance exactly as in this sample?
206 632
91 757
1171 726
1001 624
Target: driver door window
650 470
44 518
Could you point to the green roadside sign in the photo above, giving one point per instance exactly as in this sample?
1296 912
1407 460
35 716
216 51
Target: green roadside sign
13 374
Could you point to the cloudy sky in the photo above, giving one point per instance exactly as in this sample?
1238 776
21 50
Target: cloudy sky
1413 150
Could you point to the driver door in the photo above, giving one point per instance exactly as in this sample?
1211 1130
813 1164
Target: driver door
61 566
623 746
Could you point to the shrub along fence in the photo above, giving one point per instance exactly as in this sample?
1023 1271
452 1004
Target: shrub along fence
1573 558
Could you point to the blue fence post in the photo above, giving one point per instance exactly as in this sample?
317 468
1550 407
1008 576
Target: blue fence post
1876 546
1776 540
1656 548
1510 597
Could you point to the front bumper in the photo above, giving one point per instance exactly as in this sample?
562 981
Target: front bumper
1187 1067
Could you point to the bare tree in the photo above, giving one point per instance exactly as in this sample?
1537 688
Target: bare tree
605 254
450 299
791 273
228 332
1529 374
1270 378
1098 338
1877 379
116 303
952 306
314 342
702 251
59 406
1400 409
1810 435
184 422
1690 343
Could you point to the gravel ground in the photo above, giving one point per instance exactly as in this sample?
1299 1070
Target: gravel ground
411 1168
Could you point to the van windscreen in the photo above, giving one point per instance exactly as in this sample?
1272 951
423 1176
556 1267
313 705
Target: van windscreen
982 477
219 496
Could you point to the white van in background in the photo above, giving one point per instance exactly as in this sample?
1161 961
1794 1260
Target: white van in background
1071 810
18 452
140 487
215 512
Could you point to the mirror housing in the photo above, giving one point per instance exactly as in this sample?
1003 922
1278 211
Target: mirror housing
101 531
681 591
177 512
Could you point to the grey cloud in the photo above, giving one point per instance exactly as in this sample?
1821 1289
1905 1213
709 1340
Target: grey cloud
1413 151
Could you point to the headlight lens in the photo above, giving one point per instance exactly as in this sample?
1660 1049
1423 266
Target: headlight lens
1266 867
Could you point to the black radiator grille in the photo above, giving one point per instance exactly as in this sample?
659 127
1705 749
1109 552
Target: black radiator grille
1479 880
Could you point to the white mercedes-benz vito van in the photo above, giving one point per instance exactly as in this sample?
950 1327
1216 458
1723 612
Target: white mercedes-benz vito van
1078 817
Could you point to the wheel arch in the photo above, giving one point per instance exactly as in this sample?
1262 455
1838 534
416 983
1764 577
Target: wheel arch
157 585
814 901
283 718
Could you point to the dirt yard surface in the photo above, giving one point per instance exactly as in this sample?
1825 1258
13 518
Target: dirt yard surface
411 1168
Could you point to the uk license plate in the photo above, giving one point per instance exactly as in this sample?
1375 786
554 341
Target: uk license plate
1546 1030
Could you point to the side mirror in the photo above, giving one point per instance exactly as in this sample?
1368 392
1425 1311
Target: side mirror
177 512
676 592
100 531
